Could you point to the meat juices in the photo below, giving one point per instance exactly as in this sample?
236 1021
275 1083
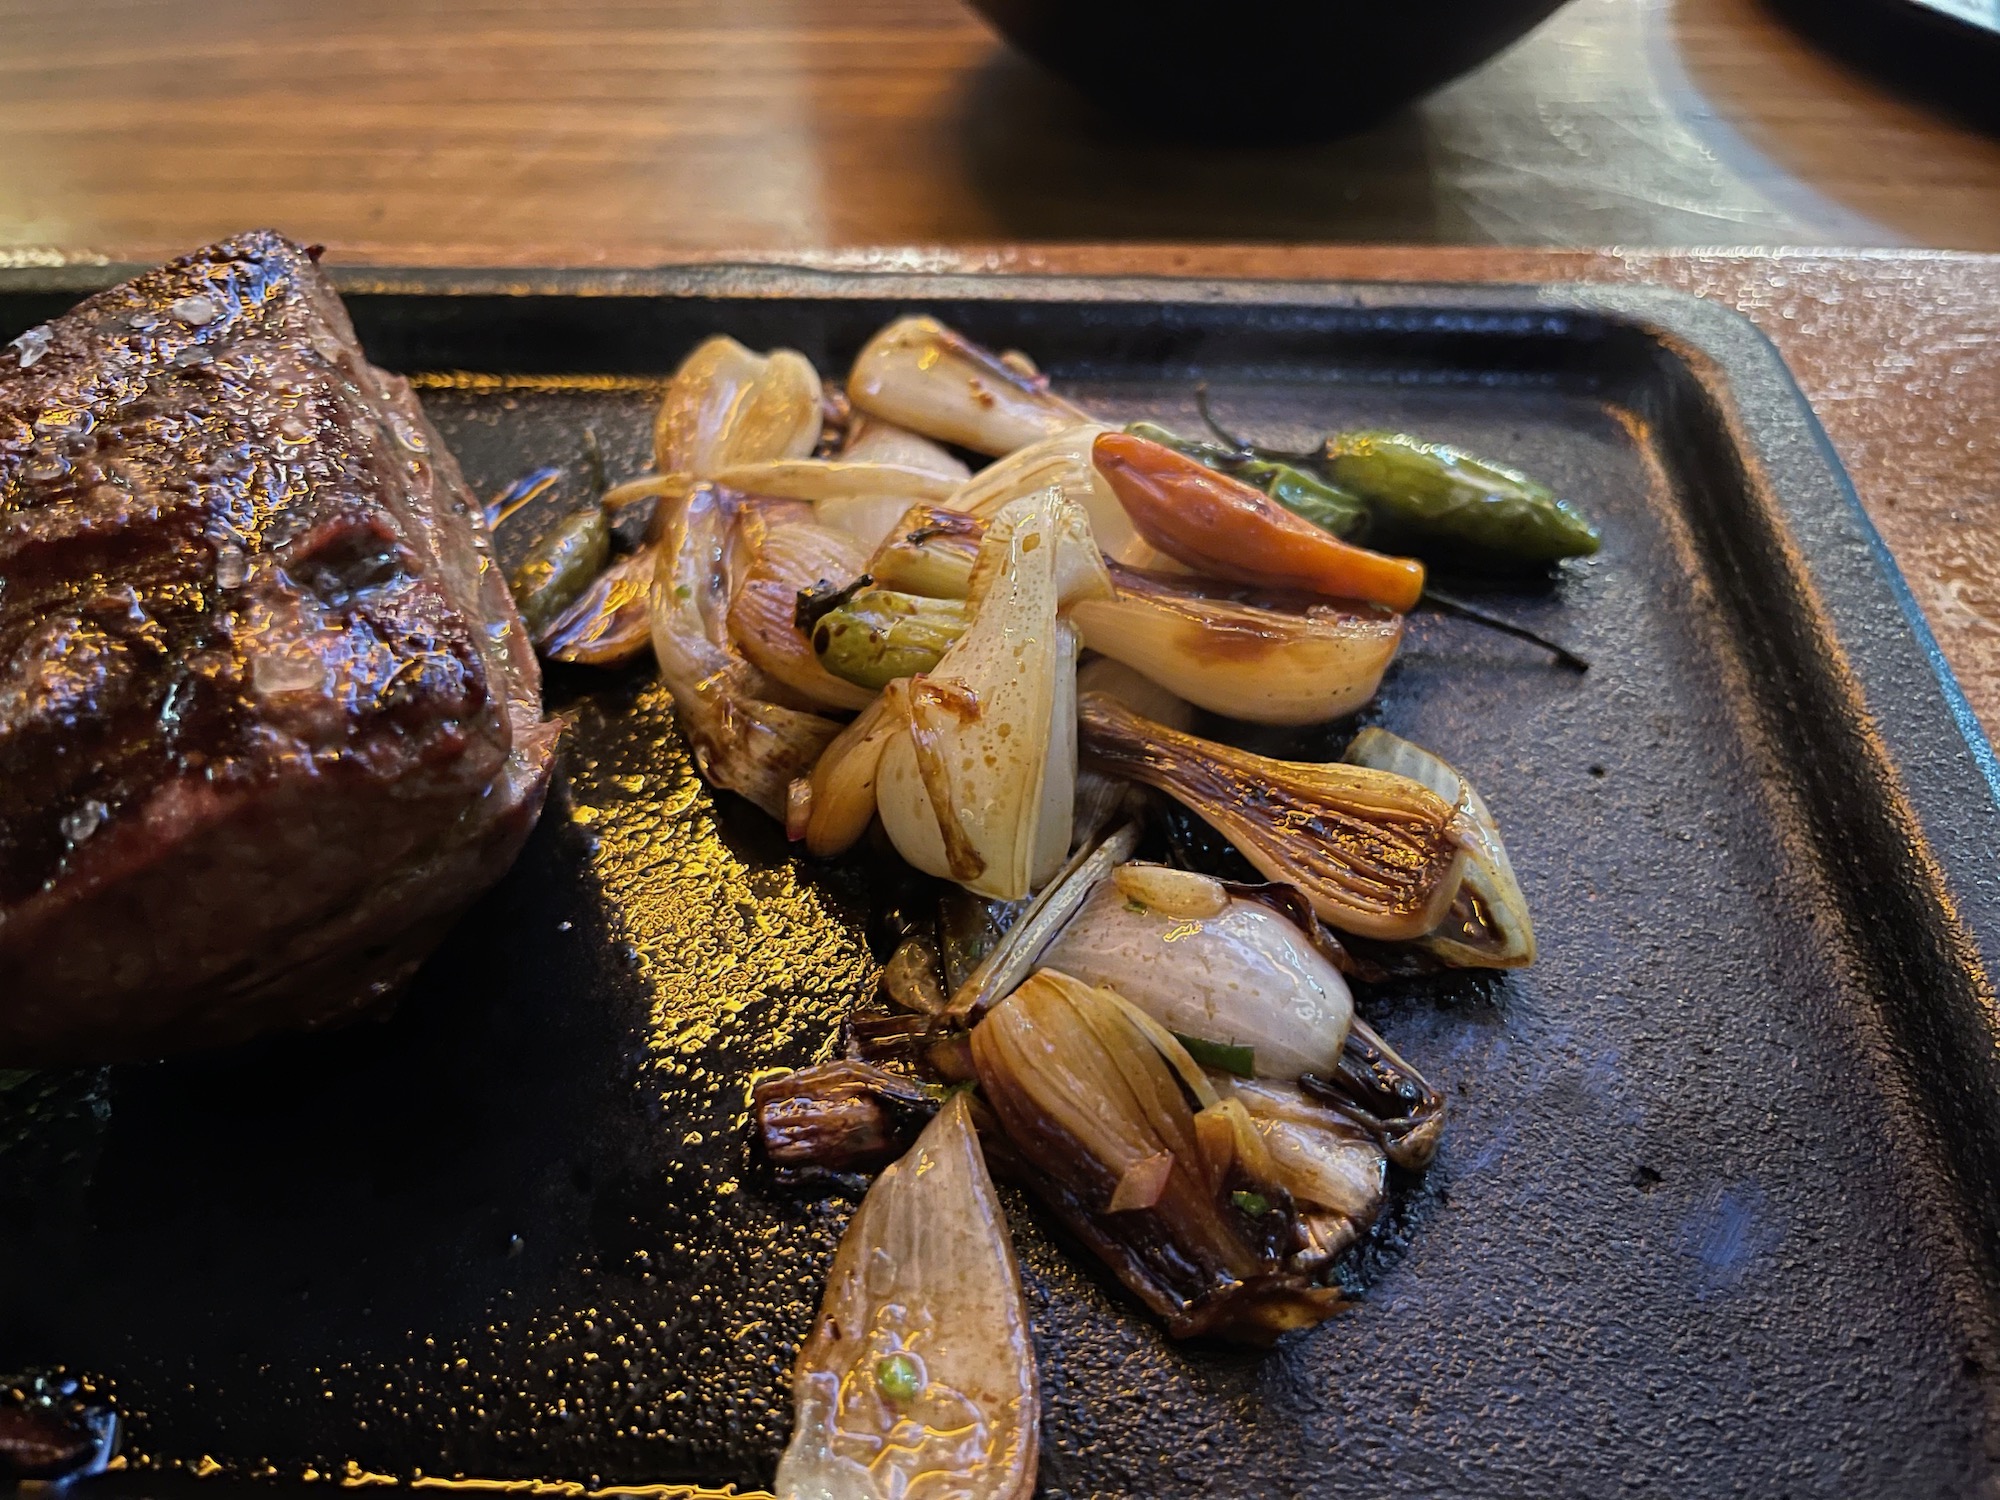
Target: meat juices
268 716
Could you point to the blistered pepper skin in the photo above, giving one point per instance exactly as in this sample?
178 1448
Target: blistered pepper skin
1446 503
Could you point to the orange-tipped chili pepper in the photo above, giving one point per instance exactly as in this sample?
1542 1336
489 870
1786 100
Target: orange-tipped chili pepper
1226 529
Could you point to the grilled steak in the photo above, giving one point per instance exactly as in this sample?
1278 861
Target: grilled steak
268 717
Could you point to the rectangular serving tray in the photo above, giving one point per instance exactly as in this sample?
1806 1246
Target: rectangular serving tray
1718 1206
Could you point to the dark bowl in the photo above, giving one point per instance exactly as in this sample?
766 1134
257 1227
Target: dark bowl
1260 69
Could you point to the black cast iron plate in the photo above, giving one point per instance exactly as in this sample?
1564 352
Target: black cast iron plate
1716 1212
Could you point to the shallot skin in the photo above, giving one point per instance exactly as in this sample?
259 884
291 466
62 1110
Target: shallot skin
918 1379
1239 974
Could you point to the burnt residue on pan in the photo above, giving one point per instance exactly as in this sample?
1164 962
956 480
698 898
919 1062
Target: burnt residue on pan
1691 1229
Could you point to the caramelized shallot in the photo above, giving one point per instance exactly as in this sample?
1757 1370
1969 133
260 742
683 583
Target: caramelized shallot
933 380
780 561
919 1375
1300 662
1375 853
742 739
1210 966
1091 1100
872 440
1488 925
980 786
727 406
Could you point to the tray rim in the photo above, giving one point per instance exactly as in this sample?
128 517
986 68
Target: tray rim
1936 758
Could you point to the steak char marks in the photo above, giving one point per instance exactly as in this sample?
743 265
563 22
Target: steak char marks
268 716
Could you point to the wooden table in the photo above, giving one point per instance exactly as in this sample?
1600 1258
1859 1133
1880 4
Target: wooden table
612 131
628 131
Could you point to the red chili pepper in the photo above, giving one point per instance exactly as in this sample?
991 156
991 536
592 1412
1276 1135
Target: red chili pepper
1226 529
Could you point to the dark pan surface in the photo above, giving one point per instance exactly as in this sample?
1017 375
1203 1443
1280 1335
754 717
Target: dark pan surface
1715 1210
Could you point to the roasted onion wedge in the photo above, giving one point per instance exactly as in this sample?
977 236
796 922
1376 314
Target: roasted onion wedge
1229 652
1134 689
781 561
838 800
1264 657
727 405
865 500
919 1376
743 740
1334 1168
933 380
839 1116
1184 1207
688 428
930 551
819 479
1375 853
1378 1090
875 441
1210 966
1488 925
981 785
1269 666
1018 952
1062 459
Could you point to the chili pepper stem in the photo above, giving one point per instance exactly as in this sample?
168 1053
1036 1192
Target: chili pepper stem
1458 609
593 458
823 598
1250 450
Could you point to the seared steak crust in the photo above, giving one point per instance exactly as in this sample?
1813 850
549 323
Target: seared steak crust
268 717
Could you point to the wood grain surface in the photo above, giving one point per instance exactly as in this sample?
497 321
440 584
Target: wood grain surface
562 132
628 131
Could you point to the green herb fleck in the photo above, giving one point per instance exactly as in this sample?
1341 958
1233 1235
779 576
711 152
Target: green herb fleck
1254 1204
1135 905
900 1377
1225 1057
683 593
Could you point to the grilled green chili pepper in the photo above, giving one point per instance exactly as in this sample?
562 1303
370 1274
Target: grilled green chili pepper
560 566
879 635
1327 506
1300 491
1224 1057
1213 454
1434 497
